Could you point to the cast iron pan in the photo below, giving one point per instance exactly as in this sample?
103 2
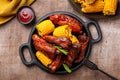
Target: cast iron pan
61 70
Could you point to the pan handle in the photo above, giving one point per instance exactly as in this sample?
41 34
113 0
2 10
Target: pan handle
93 66
96 25
21 53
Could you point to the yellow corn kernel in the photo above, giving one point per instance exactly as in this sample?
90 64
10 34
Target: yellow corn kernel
90 1
43 59
74 39
110 7
62 31
45 27
93 8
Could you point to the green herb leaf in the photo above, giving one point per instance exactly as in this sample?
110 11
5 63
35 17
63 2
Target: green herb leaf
62 50
67 68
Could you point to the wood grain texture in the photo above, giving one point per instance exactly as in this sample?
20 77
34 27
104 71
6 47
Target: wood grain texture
105 53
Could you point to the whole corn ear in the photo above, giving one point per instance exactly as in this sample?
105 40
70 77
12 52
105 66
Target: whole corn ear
93 8
43 59
110 7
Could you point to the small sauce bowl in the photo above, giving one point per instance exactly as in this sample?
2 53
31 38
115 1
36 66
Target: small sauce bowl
26 15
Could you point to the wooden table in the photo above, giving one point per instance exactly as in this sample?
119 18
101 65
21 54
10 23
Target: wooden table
105 53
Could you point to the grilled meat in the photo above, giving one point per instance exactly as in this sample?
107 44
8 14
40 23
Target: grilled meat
60 41
56 63
83 39
41 45
75 49
61 19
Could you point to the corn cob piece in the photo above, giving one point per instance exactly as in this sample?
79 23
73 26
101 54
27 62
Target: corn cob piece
62 31
45 27
93 8
43 59
74 39
110 7
90 1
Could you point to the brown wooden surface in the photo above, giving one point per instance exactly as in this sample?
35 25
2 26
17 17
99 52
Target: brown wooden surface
105 53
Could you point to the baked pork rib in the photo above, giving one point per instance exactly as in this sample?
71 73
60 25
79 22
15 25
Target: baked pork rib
62 19
60 41
41 45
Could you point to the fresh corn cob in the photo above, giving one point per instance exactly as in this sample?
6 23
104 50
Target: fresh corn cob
43 59
90 1
110 7
74 39
93 8
45 27
62 31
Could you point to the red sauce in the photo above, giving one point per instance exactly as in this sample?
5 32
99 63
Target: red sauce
25 15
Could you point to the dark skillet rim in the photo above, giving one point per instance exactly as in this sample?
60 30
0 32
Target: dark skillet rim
45 17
